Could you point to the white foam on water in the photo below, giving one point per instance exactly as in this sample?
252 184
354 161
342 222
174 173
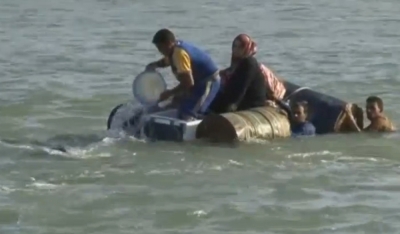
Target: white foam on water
236 163
44 185
310 154
120 125
7 190
70 152
140 125
199 213
121 116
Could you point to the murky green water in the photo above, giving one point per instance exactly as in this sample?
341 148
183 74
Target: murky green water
65 64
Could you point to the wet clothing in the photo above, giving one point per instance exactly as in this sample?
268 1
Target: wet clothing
246 83
275 87
303 129
245 89
188 58
197 103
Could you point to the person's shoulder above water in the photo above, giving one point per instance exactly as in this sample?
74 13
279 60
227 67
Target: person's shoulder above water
303 129
309 128
374 110
381 124
379 121
299 124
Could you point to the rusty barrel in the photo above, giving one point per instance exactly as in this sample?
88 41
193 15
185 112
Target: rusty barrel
258 123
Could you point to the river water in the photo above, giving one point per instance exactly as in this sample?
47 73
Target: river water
65 64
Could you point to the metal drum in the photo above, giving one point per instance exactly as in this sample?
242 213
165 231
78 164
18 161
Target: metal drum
279 123
259 123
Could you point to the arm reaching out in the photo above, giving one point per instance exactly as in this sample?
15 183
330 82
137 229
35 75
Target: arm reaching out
164 62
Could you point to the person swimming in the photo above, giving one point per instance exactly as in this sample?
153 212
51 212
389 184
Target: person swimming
299 124
197 73
243 84
374 109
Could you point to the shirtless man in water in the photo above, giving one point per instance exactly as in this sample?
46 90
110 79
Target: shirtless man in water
374 110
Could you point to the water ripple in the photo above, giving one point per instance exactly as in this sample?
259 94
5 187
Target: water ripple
65 65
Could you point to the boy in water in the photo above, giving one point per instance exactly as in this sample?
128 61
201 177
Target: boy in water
374 110
299 124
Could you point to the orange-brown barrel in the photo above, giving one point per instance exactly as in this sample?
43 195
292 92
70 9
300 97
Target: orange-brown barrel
279 122
258 123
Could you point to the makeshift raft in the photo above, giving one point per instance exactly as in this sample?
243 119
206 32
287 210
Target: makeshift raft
325 112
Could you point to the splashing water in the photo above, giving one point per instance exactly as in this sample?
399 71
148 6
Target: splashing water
130 119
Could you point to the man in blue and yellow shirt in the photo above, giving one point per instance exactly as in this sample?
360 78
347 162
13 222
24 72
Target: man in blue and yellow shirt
196 72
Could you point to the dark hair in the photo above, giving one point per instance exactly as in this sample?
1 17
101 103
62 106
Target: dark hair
163 36
303 104
378 100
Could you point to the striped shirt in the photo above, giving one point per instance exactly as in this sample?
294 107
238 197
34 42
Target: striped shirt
275 86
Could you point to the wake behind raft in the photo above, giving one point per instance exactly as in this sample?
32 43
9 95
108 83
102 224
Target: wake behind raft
267 123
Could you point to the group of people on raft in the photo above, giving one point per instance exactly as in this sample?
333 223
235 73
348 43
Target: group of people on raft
245 84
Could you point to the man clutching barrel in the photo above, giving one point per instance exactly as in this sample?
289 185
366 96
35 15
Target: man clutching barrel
379 122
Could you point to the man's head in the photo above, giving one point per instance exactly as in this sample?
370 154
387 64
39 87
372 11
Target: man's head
299 111
164 40
373 107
